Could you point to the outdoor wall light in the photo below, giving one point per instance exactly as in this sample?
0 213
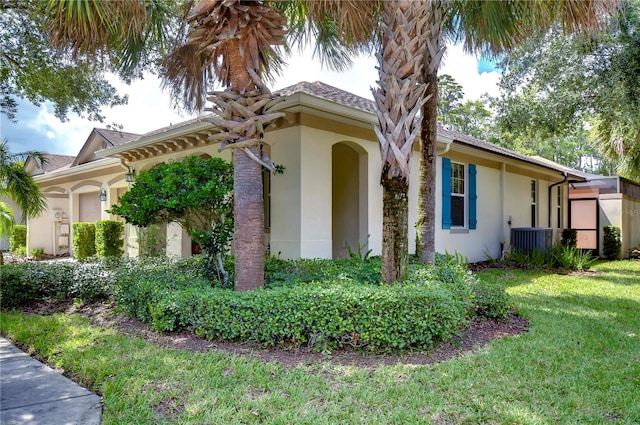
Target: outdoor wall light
103 195
130 177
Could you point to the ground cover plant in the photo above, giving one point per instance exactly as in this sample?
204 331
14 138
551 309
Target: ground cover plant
578 363
321 304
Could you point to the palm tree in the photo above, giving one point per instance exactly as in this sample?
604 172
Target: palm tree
486 27
230 41
17 184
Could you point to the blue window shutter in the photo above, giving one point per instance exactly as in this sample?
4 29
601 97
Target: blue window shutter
446 193
473 197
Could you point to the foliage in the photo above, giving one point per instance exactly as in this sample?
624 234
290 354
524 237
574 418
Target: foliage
582 336
196 193
569 238
470 117
23 283
360 253
561 256
109 238
18 237
84 240
31 69
151 241
323 316
543 107
17 183
21 251
37 253
611 242
569 257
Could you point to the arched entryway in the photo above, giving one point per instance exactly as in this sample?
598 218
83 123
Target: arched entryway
349 216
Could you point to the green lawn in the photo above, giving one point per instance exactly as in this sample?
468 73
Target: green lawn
579 363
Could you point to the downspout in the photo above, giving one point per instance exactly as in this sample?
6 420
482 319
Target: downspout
566 177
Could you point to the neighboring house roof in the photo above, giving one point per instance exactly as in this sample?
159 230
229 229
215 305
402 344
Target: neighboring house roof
101 138
53 163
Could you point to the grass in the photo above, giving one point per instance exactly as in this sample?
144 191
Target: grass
579 363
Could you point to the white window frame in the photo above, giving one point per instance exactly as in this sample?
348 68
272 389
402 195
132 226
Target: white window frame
464 195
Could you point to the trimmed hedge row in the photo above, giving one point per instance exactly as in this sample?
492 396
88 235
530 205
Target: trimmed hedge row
320 315
109 238
18 237
434 304
23 283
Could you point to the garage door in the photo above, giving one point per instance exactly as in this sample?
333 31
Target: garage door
89 207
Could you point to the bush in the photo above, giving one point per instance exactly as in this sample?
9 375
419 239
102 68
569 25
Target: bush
109 238
18 237
569 238
611 242
342 313
23 283
37 253
84 240
570 258
323 316
21 251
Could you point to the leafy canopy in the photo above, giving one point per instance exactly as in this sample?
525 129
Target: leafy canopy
196 193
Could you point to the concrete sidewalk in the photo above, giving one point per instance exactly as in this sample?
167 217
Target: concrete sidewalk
32 393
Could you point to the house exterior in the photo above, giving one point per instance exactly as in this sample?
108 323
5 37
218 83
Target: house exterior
329 197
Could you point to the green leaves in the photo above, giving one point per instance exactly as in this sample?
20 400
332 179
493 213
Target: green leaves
197 193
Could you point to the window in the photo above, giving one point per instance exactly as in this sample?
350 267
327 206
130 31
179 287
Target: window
534 197
559 209
458 195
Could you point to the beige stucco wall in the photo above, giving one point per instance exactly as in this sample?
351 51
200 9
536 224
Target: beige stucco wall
631 220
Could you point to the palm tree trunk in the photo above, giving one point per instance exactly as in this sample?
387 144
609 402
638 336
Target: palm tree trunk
249 221
398 101
395 227
433 51
426 223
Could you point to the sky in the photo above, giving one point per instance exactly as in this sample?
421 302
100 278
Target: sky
149 108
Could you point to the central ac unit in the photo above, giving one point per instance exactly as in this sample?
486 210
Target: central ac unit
527 239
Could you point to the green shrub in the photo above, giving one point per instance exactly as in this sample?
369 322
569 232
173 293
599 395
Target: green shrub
569 238
18 237
611 242
21 251
109 238
84 240
37 253
570 258
323 316
23 283
433 304
16 291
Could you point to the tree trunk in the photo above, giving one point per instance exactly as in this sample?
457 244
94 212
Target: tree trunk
248 232
433 50
426 223
398 101
249 221
395 228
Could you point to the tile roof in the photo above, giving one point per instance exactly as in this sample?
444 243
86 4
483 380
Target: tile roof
342 97
116 137
55 162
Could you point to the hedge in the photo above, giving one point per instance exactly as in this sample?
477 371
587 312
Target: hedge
611 242
320 315
84 240
18 237
109 238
